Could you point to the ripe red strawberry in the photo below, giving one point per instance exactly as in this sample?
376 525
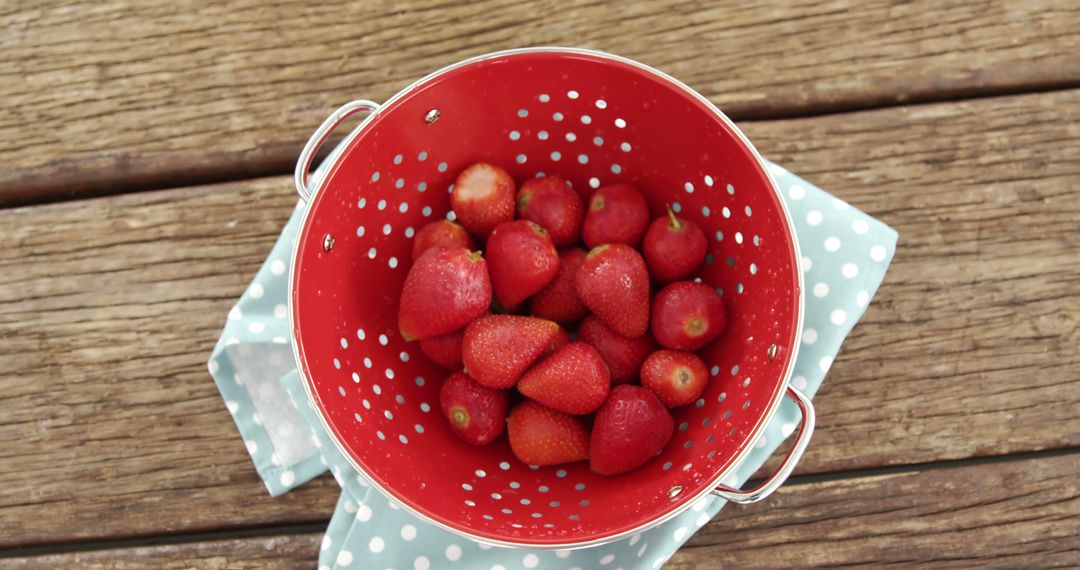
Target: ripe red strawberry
574 380
623 355
476 414
614 283
617 214
559 301
542 436
687 316
441 233
444 350
676 377
521 260
674 247
483 198
630 428
550 202
497 349
445 290
561 339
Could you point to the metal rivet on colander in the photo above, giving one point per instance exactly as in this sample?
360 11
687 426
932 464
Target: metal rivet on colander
674 491
432 116
328 242
773 351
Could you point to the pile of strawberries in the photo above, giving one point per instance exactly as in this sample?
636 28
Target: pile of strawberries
546 286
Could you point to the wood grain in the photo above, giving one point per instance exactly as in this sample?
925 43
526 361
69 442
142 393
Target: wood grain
970 348
109 96
1012 514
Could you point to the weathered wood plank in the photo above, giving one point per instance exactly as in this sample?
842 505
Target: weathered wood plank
1023 513
970 348
105 96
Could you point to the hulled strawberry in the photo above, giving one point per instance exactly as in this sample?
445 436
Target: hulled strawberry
674 247
483 198
559 301
497 349
676 377
630 428
550 202
442 233
617 214
477 414
623 355
542 436
574 380
687 316
445 290
521 260
614 284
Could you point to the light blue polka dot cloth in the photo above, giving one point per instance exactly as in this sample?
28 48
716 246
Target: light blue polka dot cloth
845 255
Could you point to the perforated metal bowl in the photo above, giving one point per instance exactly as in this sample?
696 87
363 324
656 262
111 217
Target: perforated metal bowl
594 119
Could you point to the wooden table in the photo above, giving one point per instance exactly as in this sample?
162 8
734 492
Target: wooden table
146 169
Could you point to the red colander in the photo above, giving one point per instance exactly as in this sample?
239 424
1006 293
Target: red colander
594 119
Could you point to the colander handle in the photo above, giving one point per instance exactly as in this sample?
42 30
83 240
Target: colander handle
303 164
806 429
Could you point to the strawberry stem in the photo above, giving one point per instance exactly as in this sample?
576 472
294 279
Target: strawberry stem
675 223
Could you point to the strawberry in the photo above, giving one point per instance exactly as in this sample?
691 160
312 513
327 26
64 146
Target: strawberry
442 233
674 247
623 355
630 428
483 198
445 290
550 202
559 301
476 414
614 283
574 380
617 214
521 260
687 315
676 377
542 436
497 349
561 339
444 350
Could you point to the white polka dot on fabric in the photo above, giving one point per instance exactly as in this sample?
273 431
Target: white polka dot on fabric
281 311
838 316
680 533
213 366
787 429
530 561
453 552
799 382
825 363
326 542
807 264
363 514
832 243
421 563
235 314
703 519
376 545
277 267
814 218
840 204
878 253
498 567
288 478
809 336
860 226
408 532
251 446
796 192
566 553
862 298
256 291
350 507
344 558
821 289
607 559
849 270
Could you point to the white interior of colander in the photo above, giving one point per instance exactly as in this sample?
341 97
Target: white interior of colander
594 121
